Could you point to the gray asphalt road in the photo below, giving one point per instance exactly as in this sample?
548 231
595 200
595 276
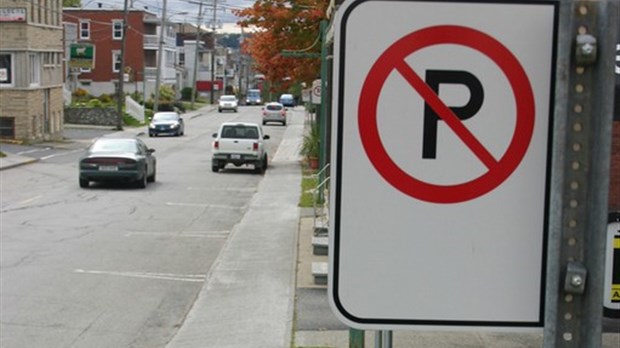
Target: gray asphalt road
112 265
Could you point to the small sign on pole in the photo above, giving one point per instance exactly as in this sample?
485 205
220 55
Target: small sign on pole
82 56
316 91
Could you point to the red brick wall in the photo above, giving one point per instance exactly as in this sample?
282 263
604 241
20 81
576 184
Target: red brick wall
101 38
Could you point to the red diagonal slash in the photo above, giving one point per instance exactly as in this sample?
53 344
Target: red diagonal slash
446 114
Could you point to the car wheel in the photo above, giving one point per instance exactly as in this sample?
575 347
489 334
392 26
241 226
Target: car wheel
84 183
143 180
215 167
219 110
152 177
150 134
284 123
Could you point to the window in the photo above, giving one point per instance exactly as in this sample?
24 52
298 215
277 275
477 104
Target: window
34 72
117 29
6 69
49 59
116 59
7 127
84 29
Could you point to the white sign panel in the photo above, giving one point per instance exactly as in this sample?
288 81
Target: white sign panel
316 92
440 163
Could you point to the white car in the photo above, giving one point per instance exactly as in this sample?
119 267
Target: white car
239 143
227 102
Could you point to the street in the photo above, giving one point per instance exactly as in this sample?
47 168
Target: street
112 265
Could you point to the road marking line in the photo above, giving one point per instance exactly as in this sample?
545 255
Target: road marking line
60 154
33 151
221 206
225 189
160 276
29 200
206 234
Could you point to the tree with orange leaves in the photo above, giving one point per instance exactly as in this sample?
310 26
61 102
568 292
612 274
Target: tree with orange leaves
284 25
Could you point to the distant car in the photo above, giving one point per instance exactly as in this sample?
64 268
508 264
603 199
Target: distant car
253 97
227 102
287 100
274 112
118 159
168 122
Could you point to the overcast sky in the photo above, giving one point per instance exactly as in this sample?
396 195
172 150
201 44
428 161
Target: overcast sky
174 7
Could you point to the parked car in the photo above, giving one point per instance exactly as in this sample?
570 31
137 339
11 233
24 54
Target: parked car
118 159
253 97
227 102
274 112
287 100
168 123
239 143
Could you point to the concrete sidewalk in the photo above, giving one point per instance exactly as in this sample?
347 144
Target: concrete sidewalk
248 297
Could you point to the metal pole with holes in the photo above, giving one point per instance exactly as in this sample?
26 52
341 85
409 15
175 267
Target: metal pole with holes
580 173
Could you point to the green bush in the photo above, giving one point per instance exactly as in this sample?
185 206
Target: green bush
166 93
106 98
148 114
186 93
95 103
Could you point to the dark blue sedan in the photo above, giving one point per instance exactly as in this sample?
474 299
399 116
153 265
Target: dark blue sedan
166 123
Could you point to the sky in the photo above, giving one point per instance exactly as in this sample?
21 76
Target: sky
176 8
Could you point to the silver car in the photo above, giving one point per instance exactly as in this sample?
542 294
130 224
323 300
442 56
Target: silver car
274 112
227 102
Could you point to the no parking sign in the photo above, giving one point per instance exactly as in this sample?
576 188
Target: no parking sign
441 162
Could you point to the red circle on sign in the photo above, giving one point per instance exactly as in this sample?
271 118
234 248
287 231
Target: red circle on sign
394 58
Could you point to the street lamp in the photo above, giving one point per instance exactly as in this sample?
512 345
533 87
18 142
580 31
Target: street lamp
160 53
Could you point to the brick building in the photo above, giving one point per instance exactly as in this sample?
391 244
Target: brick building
102 28
31 74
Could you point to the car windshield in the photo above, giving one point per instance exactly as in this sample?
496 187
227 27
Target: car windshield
165 117
240 132
274 107
228 98
253 94
114 145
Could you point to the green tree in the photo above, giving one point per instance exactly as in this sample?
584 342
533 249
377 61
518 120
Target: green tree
71 3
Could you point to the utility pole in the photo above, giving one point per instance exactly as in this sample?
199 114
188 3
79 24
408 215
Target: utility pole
121 73
195 71
213 26
160 57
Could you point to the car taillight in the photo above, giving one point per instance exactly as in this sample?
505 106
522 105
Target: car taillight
109 161
255 146
216 145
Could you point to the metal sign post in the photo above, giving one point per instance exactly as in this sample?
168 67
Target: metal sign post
580 169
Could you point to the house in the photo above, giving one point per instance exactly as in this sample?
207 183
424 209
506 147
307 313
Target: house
210 66
102 28
31 74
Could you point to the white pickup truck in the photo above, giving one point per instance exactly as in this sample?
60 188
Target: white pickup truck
239 143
